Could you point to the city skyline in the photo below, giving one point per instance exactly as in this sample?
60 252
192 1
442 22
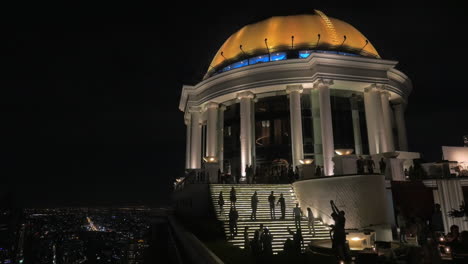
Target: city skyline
91 102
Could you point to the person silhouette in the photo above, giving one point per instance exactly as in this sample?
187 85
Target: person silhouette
233 217
282 203
382 166
318 171
254 203
233 197
271 201
220 202
255 245
310 220
360 165
298 240
370 165
339 234
246 239
297 212
267 239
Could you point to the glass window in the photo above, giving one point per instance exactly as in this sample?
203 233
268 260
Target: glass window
227 68
258 59
347 54
304 54
239 64
278 56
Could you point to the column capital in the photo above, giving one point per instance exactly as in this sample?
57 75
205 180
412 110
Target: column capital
187 120
246 94
385 93
322 82
194 109
294 88
211 105
222 107
374 86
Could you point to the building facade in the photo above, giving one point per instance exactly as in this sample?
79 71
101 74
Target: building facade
292 88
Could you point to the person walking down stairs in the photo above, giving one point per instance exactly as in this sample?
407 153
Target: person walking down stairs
220 202
282 203
310 220
233 217
233 197
297 212
271 200
254 203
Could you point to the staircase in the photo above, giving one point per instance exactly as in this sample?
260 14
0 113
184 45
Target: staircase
278 228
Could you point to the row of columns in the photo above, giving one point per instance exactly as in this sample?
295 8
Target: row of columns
378 117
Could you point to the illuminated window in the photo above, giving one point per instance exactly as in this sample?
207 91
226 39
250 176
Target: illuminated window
278 56
347 54
239 64
304 54
258 59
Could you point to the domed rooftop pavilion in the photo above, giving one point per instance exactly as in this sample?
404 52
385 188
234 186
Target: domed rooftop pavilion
287 37
294 87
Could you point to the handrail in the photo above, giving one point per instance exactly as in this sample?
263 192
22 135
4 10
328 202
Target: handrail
178 257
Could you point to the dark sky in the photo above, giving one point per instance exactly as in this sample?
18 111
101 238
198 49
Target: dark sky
90 99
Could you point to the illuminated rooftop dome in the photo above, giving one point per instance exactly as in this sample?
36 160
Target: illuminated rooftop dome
289 34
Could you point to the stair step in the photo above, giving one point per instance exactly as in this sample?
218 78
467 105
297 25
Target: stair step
277 227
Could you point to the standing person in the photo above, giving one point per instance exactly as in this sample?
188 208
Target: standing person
382 166
260 231
370 165
232 223
310 220
255 245
401 221
297 212
339 234
246 239
318 172
360 165
233 197
220 202
247 173
282 203
267 239
254 203
298 240
271 200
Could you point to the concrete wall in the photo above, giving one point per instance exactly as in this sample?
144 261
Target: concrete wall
362 197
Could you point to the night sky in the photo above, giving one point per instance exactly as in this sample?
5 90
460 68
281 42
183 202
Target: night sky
89 99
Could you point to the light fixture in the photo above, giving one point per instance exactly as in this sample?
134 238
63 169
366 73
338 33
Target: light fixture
342 152
306 161
210 159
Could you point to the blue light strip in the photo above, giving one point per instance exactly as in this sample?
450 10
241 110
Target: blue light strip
277 56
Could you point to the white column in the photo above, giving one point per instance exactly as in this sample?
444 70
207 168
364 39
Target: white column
195 148
187 144
296 123
387 120
326 125
375 128
246 137
211 130
449 194
401 127
221 110
318 150
356 125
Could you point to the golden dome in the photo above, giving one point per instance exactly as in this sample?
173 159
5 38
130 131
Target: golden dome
279 31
